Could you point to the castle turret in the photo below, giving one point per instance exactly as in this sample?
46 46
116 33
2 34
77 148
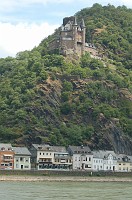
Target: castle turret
75 34
75 21
83 27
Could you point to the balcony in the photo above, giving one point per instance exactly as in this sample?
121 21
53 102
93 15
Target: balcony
7 158
45 161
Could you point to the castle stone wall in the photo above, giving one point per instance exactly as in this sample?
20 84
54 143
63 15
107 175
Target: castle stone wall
72 39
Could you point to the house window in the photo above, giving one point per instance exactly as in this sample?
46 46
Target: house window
40 153
10 164
43 153
26 166
89 158
27 159
46 153
21 158
86 158
17 160
17 166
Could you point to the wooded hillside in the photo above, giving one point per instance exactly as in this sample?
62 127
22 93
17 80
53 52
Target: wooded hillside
47 98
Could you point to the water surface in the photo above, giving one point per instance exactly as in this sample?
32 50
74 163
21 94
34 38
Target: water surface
65 191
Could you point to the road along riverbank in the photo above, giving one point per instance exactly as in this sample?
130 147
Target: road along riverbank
63 178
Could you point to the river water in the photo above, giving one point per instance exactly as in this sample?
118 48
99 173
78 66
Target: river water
65 191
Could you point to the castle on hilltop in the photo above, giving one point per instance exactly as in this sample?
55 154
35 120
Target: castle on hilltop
71 39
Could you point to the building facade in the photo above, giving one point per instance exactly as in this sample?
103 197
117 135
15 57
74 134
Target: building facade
6 156
97 161
104 161
22 158
71 39
50 157
82 157
124 163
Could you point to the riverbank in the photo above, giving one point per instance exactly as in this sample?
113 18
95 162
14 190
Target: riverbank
63 179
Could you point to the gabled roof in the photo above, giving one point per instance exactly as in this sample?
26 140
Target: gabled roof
21 151
103 154
97 154
124 158
41 147
72 19
79 149
5 146
46 147
58 149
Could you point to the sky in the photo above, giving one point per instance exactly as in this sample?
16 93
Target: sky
25 23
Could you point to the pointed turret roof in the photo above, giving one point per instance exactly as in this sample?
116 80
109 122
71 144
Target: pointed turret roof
82 25
75 21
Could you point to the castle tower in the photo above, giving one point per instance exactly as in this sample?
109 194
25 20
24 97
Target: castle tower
75 34
83 27
71 39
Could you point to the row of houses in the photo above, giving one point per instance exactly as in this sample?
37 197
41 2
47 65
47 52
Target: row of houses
44 156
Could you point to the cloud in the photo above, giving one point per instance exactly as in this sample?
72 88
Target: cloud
11 4
22 36
127 3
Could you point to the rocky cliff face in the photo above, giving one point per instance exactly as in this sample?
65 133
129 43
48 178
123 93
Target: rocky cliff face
119 142
108 133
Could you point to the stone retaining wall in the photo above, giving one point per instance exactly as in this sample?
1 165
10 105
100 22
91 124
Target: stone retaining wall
64 173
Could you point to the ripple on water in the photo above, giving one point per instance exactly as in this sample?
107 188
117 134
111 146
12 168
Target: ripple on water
65 191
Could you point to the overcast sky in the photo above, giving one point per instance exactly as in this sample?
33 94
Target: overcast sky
24 23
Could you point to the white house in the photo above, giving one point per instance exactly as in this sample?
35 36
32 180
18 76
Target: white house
104 160
110 160
97 161
82 157
22 158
